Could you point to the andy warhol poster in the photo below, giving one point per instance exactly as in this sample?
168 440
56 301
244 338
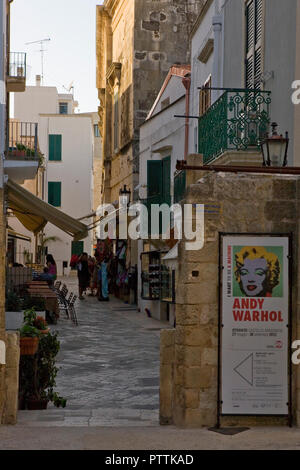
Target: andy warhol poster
254 325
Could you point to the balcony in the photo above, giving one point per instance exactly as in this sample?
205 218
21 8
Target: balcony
236 121
22 156
16 76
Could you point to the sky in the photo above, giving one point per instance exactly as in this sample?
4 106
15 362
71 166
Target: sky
71 52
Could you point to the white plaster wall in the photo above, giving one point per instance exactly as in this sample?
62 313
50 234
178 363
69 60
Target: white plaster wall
200 72
74 172
174 91
35 100
160 136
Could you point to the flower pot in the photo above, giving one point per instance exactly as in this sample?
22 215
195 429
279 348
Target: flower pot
34 404
29 346
45 332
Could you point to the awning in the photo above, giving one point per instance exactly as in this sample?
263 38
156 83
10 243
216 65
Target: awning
34 213
18 236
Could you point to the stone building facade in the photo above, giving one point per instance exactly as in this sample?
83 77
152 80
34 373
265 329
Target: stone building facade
189 353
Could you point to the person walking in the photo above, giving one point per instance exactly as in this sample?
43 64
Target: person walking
103 291
83 274
51 266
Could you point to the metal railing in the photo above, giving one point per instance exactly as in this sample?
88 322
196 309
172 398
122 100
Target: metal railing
17 65
179 186
238 120
22 140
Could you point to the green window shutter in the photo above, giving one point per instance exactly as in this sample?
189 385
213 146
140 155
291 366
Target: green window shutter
155 187
55 146
155 180
54 193
166 176
254 28
77 248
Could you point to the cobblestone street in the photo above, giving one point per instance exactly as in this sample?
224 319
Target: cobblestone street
109 367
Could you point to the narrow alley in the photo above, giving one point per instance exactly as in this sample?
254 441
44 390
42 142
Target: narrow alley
109 367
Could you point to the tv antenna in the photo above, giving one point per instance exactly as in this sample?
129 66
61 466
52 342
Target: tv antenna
42 51
70 87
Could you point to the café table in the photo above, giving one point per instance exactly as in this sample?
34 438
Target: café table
43 290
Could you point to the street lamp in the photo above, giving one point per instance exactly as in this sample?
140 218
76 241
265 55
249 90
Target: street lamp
274 148
124 196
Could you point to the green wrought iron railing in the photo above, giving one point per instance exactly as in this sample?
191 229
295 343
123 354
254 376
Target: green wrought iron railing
238 120
179 186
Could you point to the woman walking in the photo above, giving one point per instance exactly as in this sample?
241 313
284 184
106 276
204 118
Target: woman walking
83 274
51 266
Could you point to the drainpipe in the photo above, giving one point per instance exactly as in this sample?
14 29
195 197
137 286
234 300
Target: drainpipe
187 85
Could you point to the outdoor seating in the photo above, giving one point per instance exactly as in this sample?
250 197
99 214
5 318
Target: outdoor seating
65 304
62 297
73 311
56 286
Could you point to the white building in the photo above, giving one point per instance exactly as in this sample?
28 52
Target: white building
162 143
69 143
205 65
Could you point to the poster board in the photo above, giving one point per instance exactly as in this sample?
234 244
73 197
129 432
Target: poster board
254 325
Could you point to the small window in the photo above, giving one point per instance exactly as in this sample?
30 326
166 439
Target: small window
96 130
54 193
63 108
205 98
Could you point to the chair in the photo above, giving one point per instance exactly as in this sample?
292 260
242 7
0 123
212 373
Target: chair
64 304
56 286
72 310
62 297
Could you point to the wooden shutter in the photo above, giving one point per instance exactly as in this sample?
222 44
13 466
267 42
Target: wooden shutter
205 98
55 145
254 29
54 193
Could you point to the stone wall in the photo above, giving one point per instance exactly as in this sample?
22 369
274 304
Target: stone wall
248 204
135 49
9 373
2 300
11 378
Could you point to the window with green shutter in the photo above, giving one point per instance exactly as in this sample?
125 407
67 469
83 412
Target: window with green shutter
55 145
159 184
54 193
254 31
77 248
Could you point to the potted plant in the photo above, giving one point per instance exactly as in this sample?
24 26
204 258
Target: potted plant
29 340
41 324
37 376
37 303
